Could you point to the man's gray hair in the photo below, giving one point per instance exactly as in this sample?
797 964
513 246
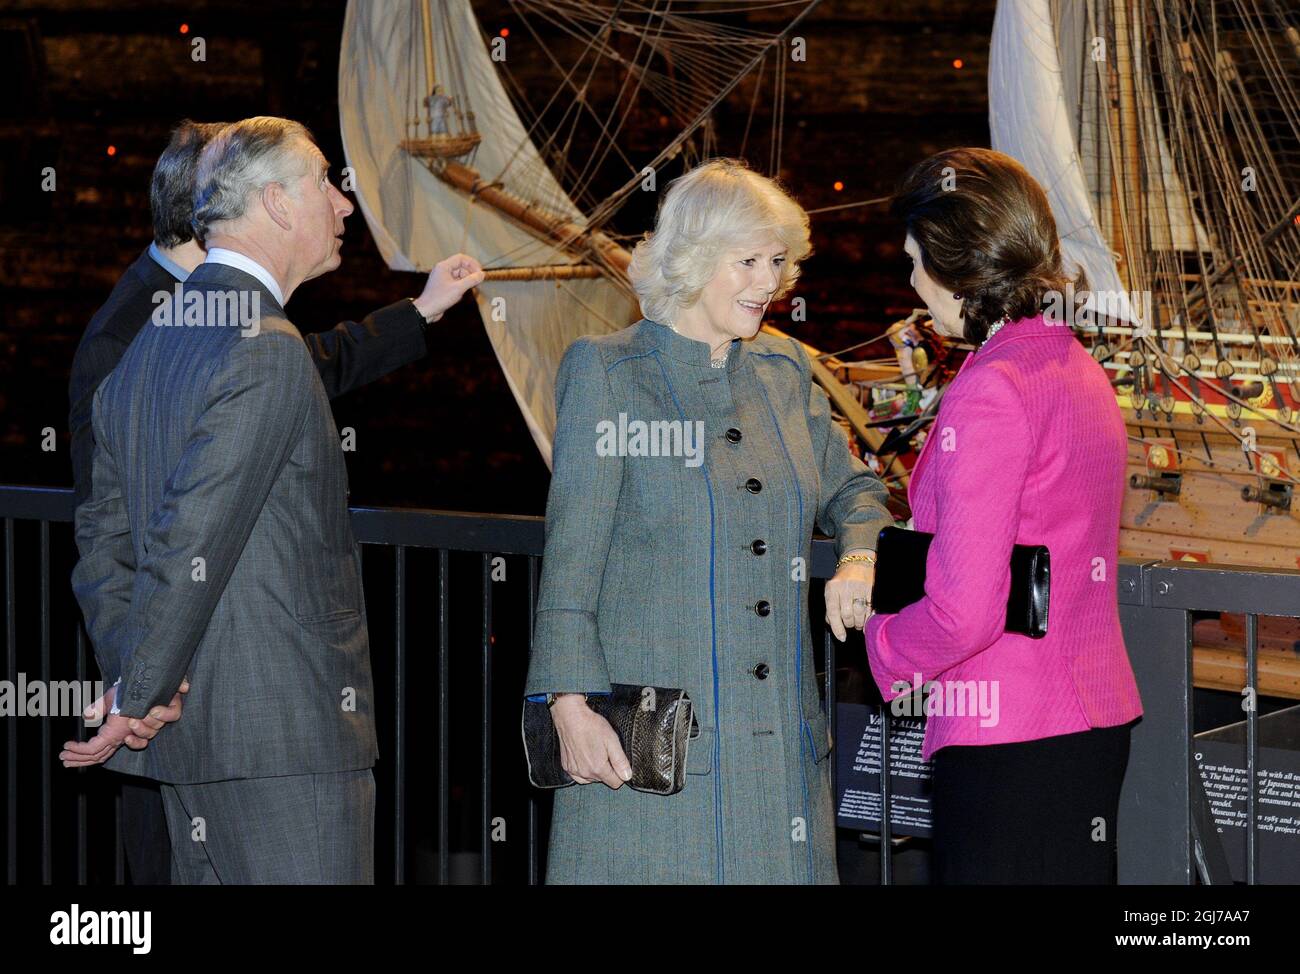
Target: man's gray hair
240 160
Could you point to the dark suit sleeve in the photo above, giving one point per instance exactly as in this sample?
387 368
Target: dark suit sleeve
95 359
257 403
353 353
104 576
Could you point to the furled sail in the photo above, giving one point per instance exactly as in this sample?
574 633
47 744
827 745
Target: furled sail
417 218
1029 119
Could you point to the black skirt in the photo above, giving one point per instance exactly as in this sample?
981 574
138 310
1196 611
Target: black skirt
1033 812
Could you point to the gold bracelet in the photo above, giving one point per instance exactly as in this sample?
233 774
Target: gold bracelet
870 559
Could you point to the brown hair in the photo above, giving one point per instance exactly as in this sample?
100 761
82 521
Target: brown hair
986 231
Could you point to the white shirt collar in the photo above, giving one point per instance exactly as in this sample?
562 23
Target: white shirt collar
231 258
166 263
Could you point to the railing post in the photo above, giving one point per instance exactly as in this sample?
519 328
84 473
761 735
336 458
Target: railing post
83 812
1155 803
11 673
1252 749
401 692
486 753
47 745
444 720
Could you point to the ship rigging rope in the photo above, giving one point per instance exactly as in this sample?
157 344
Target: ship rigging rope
1268 59
1290 427
580 191
596 38
848 206
613 325
708 67
1247 244
717 7
616 199
778 117
460 89
1171 265
1189 90
624 99
521 102
753 102
574 111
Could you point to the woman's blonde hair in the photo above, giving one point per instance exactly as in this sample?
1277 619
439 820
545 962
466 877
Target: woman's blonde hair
717 206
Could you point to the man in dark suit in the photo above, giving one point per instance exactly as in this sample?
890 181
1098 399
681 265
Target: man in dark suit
349 355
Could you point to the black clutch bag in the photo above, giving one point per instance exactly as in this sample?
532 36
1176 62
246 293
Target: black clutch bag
900 579
654 727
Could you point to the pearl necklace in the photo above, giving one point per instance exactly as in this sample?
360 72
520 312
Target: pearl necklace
995 328
717 363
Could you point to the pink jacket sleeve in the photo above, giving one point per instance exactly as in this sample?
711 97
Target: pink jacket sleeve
977 473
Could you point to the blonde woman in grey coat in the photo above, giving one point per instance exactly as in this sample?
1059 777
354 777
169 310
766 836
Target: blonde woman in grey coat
690 569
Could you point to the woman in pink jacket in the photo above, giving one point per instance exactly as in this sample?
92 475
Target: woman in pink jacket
1029 737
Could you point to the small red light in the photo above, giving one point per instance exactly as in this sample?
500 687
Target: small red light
112 150
838 185
957 63
505 31
185 28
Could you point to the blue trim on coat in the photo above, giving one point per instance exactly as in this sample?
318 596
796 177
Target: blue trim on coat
713 627
798 659
610 367
541 697
778 355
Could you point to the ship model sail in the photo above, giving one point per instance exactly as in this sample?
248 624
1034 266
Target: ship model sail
442 161
1166 133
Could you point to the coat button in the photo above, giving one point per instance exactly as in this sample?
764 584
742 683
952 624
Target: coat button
763 607
753 485
760 671
759 547
733 435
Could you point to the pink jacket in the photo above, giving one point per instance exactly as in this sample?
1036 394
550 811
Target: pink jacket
1028 448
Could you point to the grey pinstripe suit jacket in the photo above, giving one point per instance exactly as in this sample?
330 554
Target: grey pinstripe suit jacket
216 446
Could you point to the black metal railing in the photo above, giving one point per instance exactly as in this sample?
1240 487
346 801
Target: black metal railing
478 787
490 735
1166 831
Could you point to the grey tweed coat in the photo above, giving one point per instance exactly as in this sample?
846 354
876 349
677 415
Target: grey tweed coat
690 571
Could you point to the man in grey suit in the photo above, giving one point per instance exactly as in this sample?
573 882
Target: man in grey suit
217 545
347 356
